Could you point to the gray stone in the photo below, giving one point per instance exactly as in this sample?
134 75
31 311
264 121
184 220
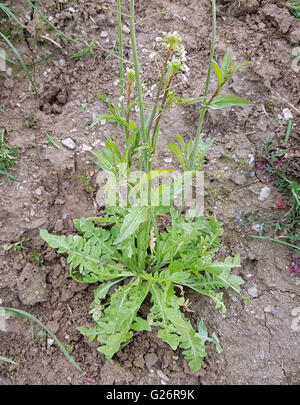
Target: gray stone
69 143
264 193
150 360
162 375
253 292
32 285
62 62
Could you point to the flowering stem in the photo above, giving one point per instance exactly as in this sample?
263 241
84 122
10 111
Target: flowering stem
128 104
166 93
137 71
204 107
121 58
159 89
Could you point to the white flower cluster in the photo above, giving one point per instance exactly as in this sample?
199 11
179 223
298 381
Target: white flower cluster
177 62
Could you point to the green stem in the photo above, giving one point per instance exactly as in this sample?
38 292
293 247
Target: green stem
137 72
128 109
120 33
159 89
166 93
204 107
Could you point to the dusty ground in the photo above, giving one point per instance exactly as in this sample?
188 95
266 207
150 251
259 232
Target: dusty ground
261 339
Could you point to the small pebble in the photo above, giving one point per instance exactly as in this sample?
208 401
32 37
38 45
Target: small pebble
125 29
168 160
251 174
9 71
72 9
62 62
274 312
86 148
162 375
265 192
251 159
50 342
69 143
38 191
292 295
256 227
287 115
253 292
104 34
150 360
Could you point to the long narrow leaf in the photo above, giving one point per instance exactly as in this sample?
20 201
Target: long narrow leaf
19 312
21 61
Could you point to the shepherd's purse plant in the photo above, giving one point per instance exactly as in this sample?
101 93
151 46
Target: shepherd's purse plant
127 252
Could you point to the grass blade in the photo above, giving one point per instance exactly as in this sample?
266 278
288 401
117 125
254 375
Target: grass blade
51 140
8 360
288 132
84 106
276 240
8 175
21 61
19 312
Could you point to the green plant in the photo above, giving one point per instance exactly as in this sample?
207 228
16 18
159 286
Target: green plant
181 256
295 8
286 172
86 51
17 246
87 183
126 252
36 260
6 360
7 157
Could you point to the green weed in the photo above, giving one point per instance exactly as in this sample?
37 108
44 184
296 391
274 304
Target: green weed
7 157
125 251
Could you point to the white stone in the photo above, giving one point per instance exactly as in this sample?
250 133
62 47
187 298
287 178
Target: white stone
86 148
50 342
162 375
265 192
104 34
287 115
253 292
62 62
72 9
69 143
